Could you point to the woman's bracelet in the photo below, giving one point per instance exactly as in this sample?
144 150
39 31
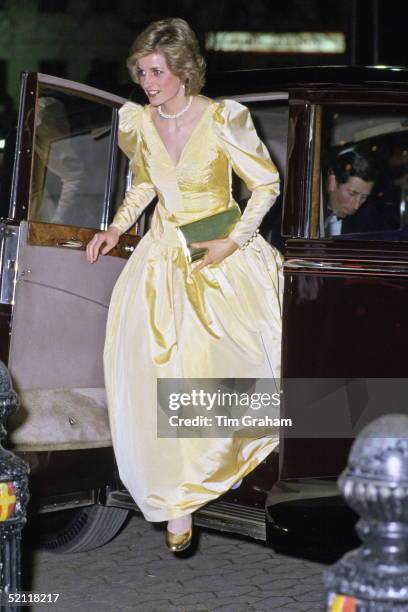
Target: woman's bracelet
254 235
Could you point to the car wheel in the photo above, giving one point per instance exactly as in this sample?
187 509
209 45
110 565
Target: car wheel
76 530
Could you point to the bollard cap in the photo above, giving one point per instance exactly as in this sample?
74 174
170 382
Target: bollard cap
5 381
9 401
380 452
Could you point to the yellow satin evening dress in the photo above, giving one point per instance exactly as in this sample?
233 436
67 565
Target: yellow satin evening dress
164 321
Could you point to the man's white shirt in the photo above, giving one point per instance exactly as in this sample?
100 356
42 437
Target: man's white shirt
333 225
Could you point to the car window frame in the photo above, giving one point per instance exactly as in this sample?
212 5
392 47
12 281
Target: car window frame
318 101
25 138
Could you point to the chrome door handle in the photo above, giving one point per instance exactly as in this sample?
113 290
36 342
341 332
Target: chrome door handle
71 244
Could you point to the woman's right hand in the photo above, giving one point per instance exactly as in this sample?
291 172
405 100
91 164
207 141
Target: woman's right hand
109 238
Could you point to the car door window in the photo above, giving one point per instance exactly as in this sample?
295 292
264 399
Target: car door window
364 173
71 159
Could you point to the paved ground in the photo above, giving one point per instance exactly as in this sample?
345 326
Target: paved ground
135 572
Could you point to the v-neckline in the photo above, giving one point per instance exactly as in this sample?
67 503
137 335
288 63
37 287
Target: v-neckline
189 139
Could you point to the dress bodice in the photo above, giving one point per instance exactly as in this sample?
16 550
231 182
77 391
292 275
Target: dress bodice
200 183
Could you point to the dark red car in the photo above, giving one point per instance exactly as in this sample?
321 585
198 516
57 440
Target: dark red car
345 304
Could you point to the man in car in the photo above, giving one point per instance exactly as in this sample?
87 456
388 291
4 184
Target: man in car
350 181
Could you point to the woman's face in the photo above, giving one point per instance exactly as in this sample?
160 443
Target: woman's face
159 84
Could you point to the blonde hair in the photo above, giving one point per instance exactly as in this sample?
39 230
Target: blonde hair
176 41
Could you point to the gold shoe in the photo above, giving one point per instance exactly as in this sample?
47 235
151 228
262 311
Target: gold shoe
176 542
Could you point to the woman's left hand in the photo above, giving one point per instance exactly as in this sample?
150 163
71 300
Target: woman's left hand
217 250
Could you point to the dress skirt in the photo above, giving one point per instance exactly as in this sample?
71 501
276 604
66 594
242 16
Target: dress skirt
167 321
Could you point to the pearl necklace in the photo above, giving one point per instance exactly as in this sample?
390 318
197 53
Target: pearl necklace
176 115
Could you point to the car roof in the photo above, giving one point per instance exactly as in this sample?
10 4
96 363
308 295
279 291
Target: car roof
320 77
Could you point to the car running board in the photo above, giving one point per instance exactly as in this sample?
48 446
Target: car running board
220 515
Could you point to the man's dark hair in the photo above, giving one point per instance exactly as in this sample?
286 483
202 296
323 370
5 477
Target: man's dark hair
353 162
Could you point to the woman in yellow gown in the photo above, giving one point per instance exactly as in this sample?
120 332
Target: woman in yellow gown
167 319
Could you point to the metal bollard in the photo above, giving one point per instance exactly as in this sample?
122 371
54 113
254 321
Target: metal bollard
13 499
374 577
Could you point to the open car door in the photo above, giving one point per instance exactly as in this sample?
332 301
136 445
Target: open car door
68 180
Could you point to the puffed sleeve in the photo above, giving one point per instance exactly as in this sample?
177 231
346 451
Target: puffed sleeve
251 161
142 191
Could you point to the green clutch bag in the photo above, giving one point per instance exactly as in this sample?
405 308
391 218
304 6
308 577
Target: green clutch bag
215 226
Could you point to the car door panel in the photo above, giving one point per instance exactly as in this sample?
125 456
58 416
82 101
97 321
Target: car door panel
59 319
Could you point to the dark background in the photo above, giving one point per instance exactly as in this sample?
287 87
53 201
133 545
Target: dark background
88 40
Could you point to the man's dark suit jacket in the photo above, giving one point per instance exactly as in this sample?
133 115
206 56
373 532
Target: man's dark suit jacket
372 220
373 216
